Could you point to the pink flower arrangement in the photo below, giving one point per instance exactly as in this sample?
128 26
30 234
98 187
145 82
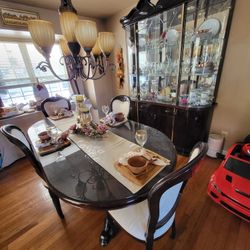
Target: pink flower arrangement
90 129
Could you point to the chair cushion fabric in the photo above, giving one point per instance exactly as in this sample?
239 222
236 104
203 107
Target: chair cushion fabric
134 219
119 106
50 106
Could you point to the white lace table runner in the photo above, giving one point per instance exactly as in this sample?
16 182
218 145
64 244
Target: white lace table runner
105 151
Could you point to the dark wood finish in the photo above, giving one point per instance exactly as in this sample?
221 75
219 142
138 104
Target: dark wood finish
190 126
181 175
184 125
54 99
25 146
28 219
80 181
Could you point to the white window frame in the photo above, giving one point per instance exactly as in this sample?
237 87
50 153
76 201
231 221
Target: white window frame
31 74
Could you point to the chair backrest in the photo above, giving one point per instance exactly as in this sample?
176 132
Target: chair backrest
17 137
48 105
120 103
163 198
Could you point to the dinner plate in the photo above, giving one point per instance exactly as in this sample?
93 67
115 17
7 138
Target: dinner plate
172 36
213 26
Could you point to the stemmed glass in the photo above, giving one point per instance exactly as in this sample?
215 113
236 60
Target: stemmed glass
105 109
55 134
141 137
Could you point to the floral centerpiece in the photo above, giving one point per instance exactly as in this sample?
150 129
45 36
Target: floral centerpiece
90 129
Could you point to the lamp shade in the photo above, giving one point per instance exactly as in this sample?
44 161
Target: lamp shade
42 33
64 46
86 34
38 48
96 50
68 23
106 42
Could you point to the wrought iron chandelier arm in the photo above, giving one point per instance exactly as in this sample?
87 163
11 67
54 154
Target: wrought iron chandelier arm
95 65
44 65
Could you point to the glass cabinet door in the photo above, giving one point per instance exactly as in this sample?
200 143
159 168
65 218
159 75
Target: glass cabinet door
203 43
153 53
176 56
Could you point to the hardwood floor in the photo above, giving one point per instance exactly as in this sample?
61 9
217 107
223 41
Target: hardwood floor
28 219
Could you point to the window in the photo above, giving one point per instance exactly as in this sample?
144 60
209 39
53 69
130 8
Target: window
18 73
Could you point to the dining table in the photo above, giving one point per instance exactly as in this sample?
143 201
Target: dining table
86 175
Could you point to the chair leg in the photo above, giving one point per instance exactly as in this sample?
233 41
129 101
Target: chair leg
149 244
57 204
173 232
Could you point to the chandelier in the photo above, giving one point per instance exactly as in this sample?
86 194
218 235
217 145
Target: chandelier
77 34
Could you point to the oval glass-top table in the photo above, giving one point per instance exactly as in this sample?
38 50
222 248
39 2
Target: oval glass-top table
87 177
80 178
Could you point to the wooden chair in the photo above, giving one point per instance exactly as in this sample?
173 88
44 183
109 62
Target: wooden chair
58 101
150 219
17 137
120 103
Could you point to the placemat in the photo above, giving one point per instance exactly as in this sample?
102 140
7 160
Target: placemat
53 148
141 179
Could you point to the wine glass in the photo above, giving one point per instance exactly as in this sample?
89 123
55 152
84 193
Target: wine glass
141 137
105 109
55 134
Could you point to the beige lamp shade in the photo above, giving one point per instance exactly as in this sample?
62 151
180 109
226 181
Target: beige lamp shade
64 46
42 33
96 50
106 42
68 23
38 48
86 34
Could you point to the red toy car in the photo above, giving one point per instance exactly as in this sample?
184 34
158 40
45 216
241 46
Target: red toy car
229 186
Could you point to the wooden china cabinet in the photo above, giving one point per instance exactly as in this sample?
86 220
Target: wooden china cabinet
175 52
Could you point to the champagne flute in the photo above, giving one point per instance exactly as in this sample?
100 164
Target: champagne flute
105 109
141 137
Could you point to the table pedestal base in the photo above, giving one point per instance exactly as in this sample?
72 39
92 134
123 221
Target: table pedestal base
109 230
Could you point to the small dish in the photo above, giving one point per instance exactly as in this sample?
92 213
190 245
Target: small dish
117 124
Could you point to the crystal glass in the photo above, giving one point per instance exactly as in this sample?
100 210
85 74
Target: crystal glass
141 136
105 109
55 134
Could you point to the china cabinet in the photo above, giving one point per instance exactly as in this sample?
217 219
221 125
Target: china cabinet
175 56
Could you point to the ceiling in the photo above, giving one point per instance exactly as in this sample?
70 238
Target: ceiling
88 8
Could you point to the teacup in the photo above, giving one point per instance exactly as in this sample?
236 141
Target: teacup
137 164
44 136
